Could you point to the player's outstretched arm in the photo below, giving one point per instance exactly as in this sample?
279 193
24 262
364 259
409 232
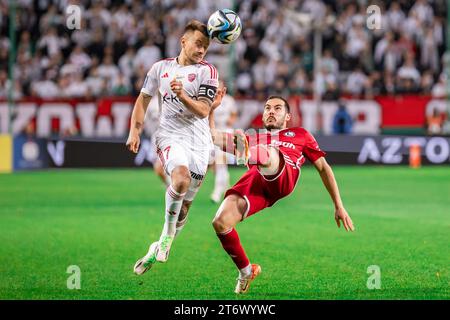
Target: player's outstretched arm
328 179
137 121
224 140
200 107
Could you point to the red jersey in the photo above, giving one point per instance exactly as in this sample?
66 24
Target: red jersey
295 146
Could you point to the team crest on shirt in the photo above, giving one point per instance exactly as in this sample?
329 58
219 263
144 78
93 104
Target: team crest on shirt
289 134
191 77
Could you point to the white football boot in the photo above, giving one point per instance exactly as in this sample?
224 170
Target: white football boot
146 262
244 283
163 250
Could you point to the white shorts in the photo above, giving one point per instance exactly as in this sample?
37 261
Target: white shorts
174 153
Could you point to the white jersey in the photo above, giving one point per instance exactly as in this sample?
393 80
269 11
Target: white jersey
223 112
176 121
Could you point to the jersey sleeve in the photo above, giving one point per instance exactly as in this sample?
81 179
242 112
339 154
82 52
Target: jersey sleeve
311 149
150 86
209 82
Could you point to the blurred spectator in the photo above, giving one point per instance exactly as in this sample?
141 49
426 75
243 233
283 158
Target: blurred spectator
94 82
408 77
423 11
51 42
46 88
395 16
429 55
126 62
5 87
119 40
121 86
77 88
342 121
357 40
357 82
330 63
108 70
79 58
148 55
326 84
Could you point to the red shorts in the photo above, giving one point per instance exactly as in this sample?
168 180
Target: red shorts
263 191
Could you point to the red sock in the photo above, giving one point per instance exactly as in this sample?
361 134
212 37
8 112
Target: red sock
232 245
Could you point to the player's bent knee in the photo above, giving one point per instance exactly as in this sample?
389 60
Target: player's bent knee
219 224
227 216
181 178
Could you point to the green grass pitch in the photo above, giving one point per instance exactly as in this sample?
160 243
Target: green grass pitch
104 220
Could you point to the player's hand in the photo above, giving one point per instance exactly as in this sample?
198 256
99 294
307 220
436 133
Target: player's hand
133 142
177 87
218 98
241 147
342 215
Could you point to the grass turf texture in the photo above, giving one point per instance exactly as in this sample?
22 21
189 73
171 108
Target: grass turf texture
104 220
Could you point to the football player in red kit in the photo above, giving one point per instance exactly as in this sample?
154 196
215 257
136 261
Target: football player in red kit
274 159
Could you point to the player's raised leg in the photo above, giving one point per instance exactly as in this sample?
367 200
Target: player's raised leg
180 181
174 159
159 251
229 214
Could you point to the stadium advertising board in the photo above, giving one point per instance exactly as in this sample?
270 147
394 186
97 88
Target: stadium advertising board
109 117
29 153
389 150
348 150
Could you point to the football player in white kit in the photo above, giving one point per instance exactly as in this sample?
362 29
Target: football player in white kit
224 118
186 87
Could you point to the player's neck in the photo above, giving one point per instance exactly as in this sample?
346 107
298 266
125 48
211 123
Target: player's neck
182 60
275 130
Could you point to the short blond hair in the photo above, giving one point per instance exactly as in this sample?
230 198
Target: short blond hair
195 25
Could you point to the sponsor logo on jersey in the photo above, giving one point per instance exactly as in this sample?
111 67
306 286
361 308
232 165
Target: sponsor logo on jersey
173 98
289 134
285 144
165 75
180 116
191 77
170 98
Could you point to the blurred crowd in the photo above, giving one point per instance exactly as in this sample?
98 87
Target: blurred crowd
118 41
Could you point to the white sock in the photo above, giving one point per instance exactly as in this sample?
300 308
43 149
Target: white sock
222 179
174 200
167 180
245 272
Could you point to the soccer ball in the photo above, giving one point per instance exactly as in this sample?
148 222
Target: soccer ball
224 26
